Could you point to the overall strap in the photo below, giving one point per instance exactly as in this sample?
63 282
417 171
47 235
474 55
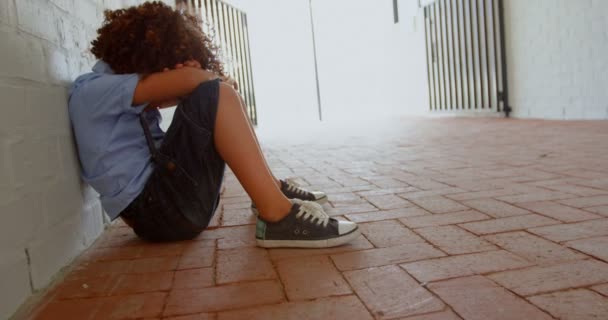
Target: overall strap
148 134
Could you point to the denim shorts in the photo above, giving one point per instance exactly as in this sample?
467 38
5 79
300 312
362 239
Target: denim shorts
182 194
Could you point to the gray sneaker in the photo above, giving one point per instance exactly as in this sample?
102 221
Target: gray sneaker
293 191
306 226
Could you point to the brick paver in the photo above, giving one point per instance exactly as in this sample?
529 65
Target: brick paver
199 254
602 288
194 278
389 292
345 199
537 280
508 224
351 209
495 208
533 248
477 298
243 264
573 231
602 210
388 233
535 196
464 265
585 202
387 202
387 214
577 190
145 282
597 247
444 219
559 211
100 268
198 316
442 315
338 308
385 256
311 277
455 240
461 219
241 295
429 193
237 217
439 204
573 305
481 195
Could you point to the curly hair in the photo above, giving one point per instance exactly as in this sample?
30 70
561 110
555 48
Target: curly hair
150 37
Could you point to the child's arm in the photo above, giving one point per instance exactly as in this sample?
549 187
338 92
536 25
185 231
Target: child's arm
169 85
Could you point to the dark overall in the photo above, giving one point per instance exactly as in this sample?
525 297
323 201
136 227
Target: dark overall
183 192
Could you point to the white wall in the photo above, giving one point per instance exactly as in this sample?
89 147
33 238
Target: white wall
282 60
556 51
368 66
48 216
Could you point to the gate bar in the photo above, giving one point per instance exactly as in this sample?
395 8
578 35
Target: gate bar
453 78
495 44
442 31
314 50
487 49
459 55
428 52
505 83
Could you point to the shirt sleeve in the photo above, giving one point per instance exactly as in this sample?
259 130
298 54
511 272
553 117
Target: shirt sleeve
109 93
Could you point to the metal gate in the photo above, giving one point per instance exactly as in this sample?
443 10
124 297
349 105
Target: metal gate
466 61
227 26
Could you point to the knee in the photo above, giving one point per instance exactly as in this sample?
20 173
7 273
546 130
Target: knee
229 97
227 92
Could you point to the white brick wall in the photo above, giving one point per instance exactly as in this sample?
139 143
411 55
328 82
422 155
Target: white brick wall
48 215
15 277
557 61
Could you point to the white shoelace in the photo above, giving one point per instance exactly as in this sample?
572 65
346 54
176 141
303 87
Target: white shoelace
296 189
292 181
312 210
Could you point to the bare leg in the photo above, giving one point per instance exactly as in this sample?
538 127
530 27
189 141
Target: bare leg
257 141
236 143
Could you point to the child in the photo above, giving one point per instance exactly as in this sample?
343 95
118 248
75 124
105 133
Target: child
166 186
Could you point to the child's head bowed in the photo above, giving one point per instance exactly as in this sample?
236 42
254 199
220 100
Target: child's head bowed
151 37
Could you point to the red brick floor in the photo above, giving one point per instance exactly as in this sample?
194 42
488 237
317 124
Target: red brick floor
461 219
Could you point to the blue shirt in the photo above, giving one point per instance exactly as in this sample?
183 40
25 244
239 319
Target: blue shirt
111 144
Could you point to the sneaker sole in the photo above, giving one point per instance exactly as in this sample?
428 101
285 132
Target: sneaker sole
327 243
321 201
